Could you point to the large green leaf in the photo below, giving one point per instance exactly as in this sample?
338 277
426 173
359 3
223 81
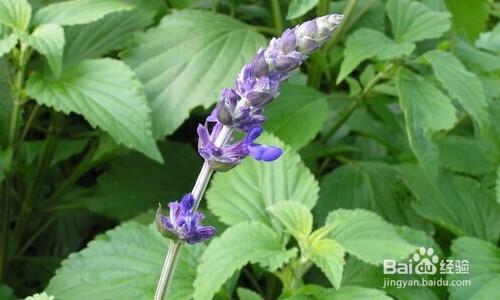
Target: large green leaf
298 8
457 203
296 218
244 193
15 14
490 40
125 263
469 17
248 242
369 185
455 153
48 39
367 43
187 60
297 115
135 184
328 255
79 11
426 111
476 59
109 33
7 43
461 84
484 269
412 21
367 236
108 94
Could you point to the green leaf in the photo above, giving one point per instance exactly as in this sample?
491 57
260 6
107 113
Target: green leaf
455 153
299 8
426 111
79 11
328 255
125 263
456 203
461 84
297 115
361 184
108 94
16 14
124 191
477 59
7 43
366 44
497 187
484 270
295 216
209 51
246 294
244 193
490 40
48 39
469 17
6 293
412 21
248 242
109 33
367 236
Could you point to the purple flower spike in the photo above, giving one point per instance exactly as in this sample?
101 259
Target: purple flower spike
183 223
259 82
228 156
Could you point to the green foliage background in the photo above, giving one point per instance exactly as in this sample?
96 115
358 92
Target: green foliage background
390 132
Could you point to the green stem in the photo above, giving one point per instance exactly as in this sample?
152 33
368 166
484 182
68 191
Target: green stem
354 104
278 22
27 126
17 87
40 171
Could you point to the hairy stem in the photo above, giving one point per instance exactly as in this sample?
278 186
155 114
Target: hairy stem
278 22
199 188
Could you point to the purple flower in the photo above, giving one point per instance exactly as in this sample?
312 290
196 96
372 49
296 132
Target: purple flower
226 157
183 223
259 82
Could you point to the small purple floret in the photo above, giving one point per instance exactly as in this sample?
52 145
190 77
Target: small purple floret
226 157
183 223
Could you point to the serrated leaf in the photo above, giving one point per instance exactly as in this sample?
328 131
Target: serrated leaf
248 242
469 17
79 11
490 40
363 184
7 43
297 115
476 59
16 14
461 84
125 263
48 39
366 44
244 193
109 33
412 21
459 204
367 236
246 294
455 153
328 255
108 94
295 216
426 110
299 8
187 60
484 269
124 191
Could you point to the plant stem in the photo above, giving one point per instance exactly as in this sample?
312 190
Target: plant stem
17 86
278 22
171 258
41 168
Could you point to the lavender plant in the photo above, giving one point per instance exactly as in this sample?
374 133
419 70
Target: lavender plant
239 108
